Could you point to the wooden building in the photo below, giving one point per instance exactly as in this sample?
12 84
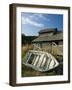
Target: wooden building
47 37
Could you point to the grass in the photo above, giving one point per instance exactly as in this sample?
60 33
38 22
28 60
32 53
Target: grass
25 49
29 72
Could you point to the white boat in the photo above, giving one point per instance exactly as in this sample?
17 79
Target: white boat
40 60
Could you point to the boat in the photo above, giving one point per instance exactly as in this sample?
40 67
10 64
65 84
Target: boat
40 60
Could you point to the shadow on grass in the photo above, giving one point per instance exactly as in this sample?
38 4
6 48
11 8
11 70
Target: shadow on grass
29 72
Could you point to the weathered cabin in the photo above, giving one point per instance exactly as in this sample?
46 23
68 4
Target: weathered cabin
48 37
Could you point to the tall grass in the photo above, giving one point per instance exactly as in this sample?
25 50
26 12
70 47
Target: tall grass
25 49
27 71
54 50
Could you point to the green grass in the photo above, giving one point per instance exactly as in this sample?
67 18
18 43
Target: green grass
29 72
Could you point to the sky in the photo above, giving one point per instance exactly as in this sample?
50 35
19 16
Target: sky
32 23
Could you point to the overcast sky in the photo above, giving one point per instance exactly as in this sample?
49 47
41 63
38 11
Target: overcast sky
32 23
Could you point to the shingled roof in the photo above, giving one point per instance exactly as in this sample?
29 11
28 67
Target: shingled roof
54 37
48 30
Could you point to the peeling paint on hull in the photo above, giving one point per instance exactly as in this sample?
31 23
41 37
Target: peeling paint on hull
40 60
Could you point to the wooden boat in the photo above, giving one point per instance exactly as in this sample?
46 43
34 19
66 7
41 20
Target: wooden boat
40 60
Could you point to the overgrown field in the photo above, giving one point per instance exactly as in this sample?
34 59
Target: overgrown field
28 72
